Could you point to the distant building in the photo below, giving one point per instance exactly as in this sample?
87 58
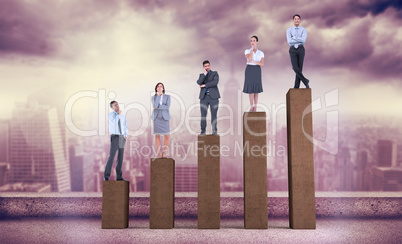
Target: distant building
4 169
278 184
231 186
231 165
387 153
345 168
82 166
186 177
360 170
26 187
399 156
4 141
386 179
37 152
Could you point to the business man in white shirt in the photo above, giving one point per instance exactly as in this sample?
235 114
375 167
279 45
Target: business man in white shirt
296 37
118 136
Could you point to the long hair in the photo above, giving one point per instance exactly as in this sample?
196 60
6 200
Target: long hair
157 87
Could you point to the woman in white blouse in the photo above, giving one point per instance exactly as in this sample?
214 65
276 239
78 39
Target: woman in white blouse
161 116
252 79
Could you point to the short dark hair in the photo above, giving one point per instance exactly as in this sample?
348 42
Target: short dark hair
205 62
256 38
297 16
111 103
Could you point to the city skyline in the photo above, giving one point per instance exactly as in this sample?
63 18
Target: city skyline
71 58
356 166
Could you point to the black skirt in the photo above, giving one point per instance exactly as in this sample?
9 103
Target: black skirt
252 79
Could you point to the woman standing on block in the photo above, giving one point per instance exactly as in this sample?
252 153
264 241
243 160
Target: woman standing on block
252 79
161 116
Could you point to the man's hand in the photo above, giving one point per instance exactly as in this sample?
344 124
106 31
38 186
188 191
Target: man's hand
125 138
205 72
203 85
119 112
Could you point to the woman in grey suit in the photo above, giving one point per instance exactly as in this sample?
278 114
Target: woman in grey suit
161 116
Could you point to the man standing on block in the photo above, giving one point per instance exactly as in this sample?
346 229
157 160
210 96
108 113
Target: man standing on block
296 36
118 131
209 96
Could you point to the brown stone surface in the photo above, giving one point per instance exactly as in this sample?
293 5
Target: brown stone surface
300 159
255 170
115 198
161 213
209 182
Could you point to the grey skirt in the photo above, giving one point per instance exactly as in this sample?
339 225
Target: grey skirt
161 126
252 79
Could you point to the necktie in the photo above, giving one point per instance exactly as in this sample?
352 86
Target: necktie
297 36
120 127
207 78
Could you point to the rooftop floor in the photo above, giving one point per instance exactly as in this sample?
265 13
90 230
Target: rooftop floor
88 230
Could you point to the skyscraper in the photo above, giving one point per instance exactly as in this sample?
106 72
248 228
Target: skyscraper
360 171
345 170
386 179
82 166
399 156
4 168
186 177
387 153
37 152
230 119
4 141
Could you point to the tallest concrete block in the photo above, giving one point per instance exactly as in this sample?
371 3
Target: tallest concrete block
300 159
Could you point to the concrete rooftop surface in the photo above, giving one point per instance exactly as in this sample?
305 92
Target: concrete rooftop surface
88 230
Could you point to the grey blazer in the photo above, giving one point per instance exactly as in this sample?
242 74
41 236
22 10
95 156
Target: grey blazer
211 83
164 108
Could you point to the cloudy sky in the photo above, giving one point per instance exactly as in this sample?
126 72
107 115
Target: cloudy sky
127 46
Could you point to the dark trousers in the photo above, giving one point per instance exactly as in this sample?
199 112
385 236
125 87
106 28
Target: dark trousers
297 59
214 103
114 147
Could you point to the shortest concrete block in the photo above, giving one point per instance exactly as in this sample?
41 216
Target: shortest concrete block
115 202
161 209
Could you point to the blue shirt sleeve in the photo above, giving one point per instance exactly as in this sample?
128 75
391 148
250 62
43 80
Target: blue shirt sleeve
113 122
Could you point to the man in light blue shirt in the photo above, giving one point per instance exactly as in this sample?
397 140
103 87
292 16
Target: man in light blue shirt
118 131
296 37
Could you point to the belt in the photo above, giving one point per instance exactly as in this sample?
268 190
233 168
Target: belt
207 93
117 135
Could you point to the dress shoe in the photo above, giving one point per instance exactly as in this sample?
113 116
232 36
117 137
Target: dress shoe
307 86
202 134
214 133
106 179
121 180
